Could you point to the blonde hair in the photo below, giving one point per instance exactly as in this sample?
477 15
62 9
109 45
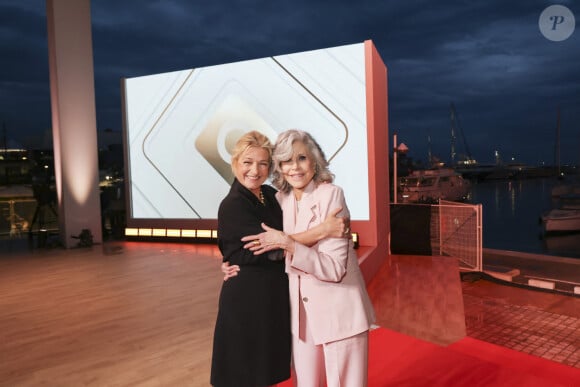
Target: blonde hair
253 139
283 151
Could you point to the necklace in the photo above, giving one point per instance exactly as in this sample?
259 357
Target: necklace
261 198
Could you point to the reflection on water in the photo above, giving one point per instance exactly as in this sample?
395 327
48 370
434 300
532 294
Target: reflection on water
511 217
563 245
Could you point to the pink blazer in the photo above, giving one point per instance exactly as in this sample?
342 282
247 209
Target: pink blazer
326 275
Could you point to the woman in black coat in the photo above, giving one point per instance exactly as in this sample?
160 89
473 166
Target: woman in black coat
252 334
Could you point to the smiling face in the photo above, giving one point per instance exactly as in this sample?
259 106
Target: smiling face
252 167
299 170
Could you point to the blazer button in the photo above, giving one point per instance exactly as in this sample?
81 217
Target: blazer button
305 299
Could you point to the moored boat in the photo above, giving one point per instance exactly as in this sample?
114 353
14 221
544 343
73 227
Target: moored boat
561 220
428 186
570 201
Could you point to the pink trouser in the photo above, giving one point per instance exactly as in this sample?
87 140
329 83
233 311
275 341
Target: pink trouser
341 363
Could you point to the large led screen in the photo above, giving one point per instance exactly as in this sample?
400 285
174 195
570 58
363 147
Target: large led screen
180 126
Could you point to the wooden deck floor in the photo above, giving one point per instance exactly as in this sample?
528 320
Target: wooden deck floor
142 314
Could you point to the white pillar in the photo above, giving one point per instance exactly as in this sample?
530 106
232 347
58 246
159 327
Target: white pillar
74 128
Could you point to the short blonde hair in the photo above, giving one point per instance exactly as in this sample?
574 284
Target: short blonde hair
253 139
283 151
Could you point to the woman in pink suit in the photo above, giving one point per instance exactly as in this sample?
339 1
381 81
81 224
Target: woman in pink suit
331 313
252 340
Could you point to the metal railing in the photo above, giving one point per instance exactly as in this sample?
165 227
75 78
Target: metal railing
457 231
446 229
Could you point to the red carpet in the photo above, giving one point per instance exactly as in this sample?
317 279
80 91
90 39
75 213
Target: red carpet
400 360
558 374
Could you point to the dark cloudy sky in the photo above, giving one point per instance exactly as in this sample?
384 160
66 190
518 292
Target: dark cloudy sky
489 58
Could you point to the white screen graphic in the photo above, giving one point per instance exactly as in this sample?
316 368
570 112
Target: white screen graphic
180 126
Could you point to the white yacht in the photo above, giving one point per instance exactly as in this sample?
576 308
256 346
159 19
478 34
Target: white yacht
561 220
430 185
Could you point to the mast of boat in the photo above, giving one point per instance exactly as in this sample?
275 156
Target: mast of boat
5 139
5 148
395 178
557 145
453 136
429 153
456 126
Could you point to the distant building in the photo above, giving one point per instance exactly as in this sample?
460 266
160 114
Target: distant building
14 163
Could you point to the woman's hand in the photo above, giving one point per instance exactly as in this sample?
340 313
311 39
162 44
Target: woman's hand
336 227
229 271
270 239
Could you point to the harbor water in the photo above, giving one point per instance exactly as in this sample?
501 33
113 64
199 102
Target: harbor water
511 217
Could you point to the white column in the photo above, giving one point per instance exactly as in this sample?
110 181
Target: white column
74 126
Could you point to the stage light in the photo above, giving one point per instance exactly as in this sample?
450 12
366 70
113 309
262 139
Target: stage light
85 238
159 232
173 233
131 232
188 233
204 233
206 236
145 232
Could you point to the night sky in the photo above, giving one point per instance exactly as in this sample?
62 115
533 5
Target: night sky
490 59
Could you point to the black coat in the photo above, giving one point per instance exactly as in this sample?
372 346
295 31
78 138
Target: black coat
252 333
